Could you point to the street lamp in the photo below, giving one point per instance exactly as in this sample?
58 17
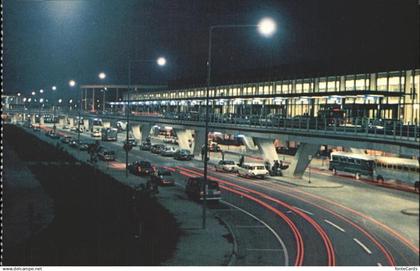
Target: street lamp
102 75
33 93
54 88
161 61
267 28
72 83
41 91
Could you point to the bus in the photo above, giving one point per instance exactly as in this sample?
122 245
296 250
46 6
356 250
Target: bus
379 168
357 164
400 170
109 134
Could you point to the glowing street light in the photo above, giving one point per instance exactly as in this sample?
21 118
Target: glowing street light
54 88
24 99
41 100
267 27
18 94
33 93
29 100
41 91
72 83
161 61
102 75
59 101
71 101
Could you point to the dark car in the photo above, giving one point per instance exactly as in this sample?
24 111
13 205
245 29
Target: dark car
52 134
145 146
194 189
163 177
157 148
66 139
183 155
83 146
141 168
106 155
131 141
73 143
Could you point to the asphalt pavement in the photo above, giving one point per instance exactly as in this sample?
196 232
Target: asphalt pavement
275 223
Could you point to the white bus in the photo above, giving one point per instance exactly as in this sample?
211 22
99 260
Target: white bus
397 169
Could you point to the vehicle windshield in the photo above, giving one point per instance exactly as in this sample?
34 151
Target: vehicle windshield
109 152
259 167
229 162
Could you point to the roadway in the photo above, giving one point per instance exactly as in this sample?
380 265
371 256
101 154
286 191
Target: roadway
279 224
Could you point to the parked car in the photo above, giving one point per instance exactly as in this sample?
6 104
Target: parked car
168 151
66 127
157 148
131 141
106 155
183 155
66 139
163 177
75 128
145 146
226 165
252 171
73 143
52 134
96 133
194 189
141 168
83 146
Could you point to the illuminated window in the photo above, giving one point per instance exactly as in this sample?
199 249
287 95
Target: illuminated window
322 86
394 83
349 84
360 84
381 83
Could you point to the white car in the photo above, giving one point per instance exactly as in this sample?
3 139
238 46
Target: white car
252 171
226 165
96 133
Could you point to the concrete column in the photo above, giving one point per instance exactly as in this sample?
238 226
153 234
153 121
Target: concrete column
183 137
86 124
135 130
41 120
62 122
267 149
302 159
199 141
145 131
249 143
32 119
71 122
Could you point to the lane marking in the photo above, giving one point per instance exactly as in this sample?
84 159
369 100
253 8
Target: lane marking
248 226
309 213
334 225
286 253
362 245
264 249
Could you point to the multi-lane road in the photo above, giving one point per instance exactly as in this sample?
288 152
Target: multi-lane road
279 224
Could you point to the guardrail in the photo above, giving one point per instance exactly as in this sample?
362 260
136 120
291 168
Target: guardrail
392 130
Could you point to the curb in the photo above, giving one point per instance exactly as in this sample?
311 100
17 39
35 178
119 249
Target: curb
234 254
411 212
305 185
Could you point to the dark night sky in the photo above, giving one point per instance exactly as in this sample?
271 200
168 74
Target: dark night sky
49 42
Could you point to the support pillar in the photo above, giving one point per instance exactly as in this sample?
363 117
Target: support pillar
41 120
267 149
249 143
86 124
71 122
183 138
302 159
145 131
93 99
32 119
199 141
135 130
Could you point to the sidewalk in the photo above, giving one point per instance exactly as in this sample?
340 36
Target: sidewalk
196 246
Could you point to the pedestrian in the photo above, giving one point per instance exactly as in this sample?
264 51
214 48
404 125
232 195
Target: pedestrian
241 161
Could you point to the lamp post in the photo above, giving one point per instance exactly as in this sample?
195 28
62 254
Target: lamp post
102 77
161 61
267 28
72 84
